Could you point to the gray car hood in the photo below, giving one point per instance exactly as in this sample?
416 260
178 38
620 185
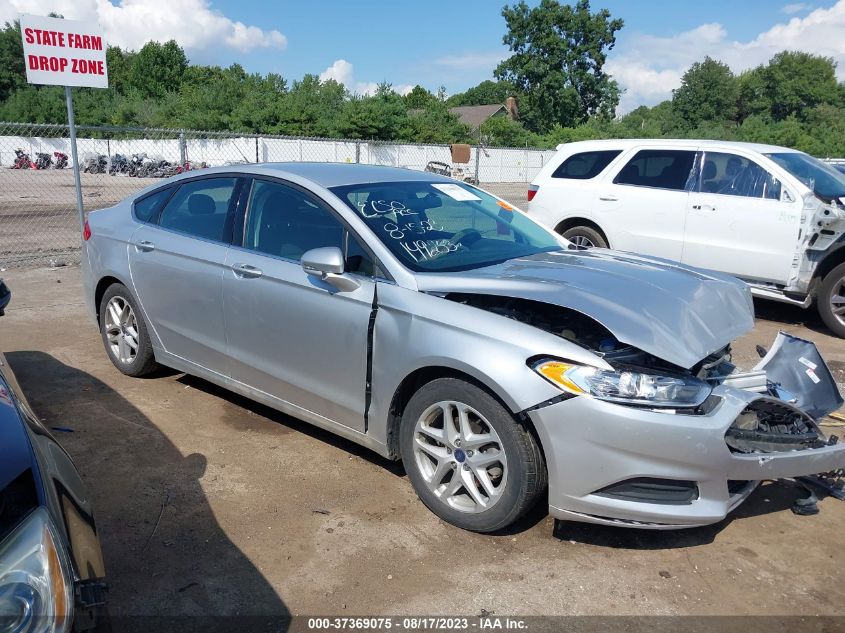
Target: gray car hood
674 312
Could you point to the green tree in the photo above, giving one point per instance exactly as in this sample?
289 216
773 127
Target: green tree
708 92
503 132
559 52
157 69
12 71
434 124
796 82
380 116
119 64
418 98
486 93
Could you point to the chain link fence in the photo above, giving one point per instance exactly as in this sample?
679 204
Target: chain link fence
38 217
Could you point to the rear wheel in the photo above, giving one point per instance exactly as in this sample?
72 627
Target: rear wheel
830 300
585 237
125 333
469 460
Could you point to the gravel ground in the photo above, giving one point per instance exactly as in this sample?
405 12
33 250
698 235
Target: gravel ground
209 503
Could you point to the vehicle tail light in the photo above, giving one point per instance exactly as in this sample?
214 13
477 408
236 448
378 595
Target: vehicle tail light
532 191
86 231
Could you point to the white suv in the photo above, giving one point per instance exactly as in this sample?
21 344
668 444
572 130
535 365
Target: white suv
769 215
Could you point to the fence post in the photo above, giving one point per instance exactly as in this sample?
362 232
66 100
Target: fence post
478 157
256 150
71 124
183 150
357 151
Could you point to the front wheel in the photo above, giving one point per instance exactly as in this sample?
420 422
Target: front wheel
469 461
584 237
830 300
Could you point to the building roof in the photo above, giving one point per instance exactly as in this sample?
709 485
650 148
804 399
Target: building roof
474 116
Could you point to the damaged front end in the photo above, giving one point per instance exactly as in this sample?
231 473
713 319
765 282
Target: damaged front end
673 462
822 228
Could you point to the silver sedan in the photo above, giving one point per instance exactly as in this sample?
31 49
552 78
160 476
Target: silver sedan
437 324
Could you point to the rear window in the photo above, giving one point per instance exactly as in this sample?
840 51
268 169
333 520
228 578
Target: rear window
146 208
585 165
658 168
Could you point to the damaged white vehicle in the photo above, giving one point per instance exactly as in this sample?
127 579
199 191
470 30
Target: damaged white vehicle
769 215
435 323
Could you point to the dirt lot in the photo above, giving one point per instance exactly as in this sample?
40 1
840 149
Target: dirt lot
208 503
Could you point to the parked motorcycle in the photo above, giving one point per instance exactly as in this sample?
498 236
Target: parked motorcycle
136 163
96 164
119 165
43 160
22 160
61 160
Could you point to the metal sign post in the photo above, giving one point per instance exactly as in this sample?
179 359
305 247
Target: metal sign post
59 52
75 157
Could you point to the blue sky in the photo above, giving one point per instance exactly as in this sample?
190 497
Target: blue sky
454 43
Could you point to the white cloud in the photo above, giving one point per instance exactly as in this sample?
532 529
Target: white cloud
342 72
650 67
472 61
133 23
795 7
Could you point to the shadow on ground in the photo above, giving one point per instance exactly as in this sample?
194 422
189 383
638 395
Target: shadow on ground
787 314
294 424
169 564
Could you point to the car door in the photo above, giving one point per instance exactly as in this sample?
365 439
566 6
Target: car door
642 204
291 335
739 221
176 262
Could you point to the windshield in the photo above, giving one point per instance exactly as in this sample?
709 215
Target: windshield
826 182
434 227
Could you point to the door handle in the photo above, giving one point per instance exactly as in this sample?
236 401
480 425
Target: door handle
608 198
246 271
145 246
703 207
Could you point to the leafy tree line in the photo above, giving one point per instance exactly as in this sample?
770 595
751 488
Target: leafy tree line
158 87
556 70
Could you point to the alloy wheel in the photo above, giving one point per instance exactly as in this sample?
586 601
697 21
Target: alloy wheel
581 242
460 456
121 330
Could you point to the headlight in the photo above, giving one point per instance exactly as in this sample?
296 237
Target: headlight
36 590
628 387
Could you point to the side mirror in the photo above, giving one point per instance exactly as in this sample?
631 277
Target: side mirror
5 297
327 263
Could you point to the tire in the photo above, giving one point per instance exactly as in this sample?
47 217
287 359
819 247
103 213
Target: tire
585 237
832 285
117 327
515 475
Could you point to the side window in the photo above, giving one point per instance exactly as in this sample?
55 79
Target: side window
733 175
200 208
659 168
146 208
358 260
585 165
285 222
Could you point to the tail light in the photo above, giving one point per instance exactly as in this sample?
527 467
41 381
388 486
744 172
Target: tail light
532 191
86 231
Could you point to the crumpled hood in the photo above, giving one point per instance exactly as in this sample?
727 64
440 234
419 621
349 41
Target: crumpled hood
674 312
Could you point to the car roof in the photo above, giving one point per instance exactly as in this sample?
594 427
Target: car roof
627 143
328 174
